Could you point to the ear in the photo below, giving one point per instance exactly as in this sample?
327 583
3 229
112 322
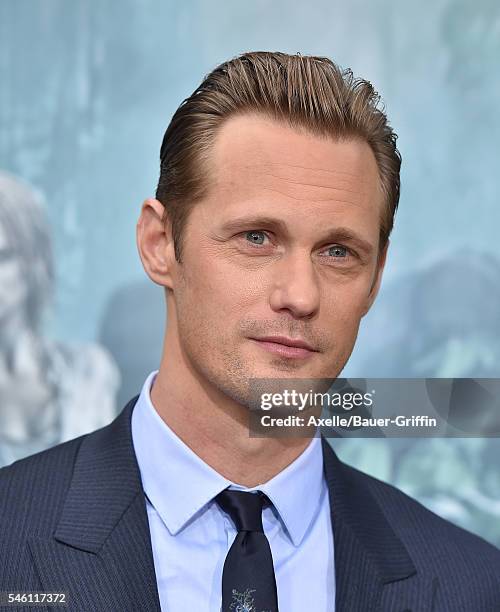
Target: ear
155 243
377 280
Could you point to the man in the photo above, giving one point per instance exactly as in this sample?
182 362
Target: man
278 187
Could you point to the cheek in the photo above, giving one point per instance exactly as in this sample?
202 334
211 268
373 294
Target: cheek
344 302
221 291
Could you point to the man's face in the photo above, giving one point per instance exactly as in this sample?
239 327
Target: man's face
285 244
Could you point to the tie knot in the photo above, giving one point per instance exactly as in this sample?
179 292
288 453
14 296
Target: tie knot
244 508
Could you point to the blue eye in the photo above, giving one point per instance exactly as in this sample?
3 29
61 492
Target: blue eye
255 237
337 251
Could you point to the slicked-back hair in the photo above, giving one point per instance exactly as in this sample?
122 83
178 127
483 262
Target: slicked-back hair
303 92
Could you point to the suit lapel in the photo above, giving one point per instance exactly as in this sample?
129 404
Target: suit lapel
368 554
101 550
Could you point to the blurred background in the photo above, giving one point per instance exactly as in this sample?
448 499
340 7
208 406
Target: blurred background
87 89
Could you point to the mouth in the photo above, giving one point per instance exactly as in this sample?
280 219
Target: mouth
294 348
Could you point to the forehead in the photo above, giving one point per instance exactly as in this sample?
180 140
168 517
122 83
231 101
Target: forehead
252 153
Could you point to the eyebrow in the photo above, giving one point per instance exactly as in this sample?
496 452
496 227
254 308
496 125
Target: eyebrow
343 234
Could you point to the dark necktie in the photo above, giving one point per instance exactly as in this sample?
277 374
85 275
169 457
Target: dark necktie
248 581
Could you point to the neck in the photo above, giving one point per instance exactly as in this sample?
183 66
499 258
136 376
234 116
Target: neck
213 425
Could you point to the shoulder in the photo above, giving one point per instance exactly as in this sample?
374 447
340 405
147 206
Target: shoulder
33 493
414 522
463 561
413 519
33 489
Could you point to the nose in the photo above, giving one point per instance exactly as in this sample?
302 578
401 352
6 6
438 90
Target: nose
295 287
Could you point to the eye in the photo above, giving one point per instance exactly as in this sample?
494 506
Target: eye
338 254
338 250
255 237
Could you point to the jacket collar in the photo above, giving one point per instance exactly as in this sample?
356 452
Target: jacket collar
106 480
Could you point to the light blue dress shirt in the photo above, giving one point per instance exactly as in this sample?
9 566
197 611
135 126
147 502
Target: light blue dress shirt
191 535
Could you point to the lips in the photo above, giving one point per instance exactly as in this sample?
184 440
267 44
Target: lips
286 341
286 347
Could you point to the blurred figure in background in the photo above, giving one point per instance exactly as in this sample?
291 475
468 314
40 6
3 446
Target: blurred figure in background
49 391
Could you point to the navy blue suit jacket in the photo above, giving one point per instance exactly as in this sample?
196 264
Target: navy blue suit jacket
73 518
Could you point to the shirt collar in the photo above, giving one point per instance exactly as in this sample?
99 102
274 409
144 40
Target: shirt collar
170 470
